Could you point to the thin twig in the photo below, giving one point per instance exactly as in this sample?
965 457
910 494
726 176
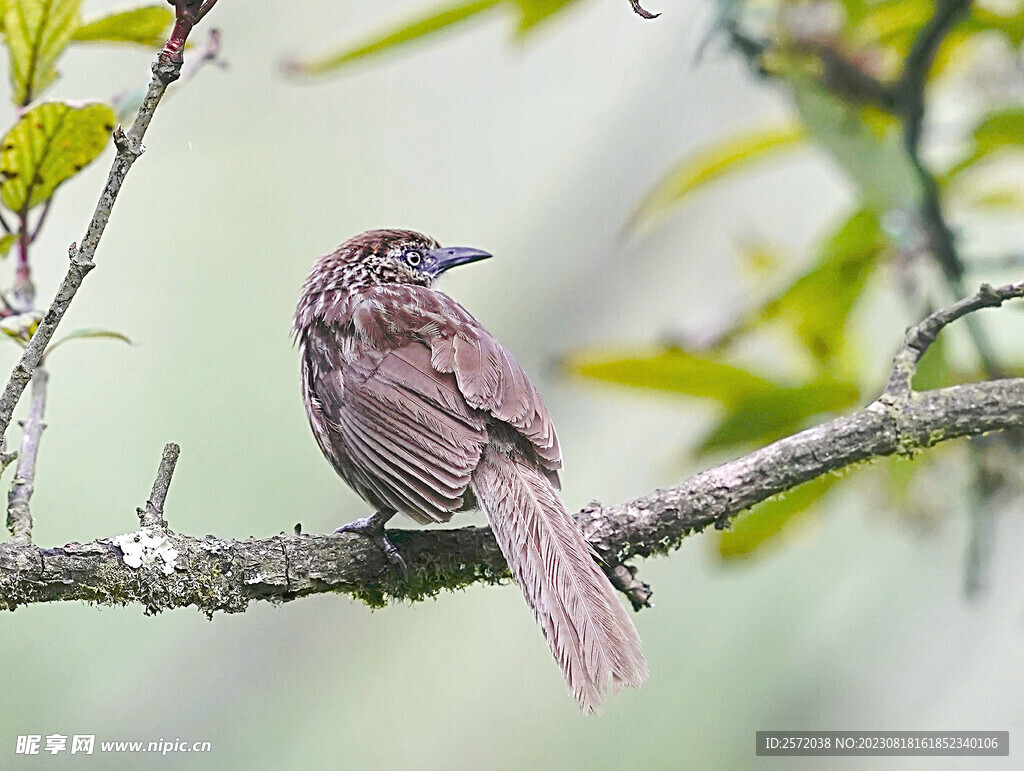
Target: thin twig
153 514
19 516
639 10
166 69
42 218
919 337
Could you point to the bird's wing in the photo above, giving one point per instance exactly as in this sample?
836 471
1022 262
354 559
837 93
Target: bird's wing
398 429
488 377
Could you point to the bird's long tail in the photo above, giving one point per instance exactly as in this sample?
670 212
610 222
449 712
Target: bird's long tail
586 627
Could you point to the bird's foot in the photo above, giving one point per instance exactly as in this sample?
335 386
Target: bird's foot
373 528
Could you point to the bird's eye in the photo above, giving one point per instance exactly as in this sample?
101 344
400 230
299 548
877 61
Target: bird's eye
413 257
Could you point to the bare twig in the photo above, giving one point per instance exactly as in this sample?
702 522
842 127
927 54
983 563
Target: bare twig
42 218
166 69
919 337
167 570
641 12
153 514
19 516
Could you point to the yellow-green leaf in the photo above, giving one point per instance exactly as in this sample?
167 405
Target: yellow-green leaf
933 369
147 26
715 162
533 12
777 411
36 32
762 524
50 143
417 29
999 130
670 370
6 242
818 304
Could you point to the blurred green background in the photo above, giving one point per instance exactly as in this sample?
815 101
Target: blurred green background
539 150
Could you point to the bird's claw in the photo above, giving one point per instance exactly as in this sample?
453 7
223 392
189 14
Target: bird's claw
373 528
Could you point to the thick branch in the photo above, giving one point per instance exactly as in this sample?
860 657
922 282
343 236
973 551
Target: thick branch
216 574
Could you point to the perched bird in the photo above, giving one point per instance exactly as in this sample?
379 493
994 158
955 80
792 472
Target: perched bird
421 411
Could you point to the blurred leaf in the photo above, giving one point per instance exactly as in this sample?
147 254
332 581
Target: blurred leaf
533 12
6 242
998 130
776 412
671 370
818 304
21 326
36 32
415 30
933 369
751 531
51 143
1004 199
147 26
878 166
91 334
734 154
759 259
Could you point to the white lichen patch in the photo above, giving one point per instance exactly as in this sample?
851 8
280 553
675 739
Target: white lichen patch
149 548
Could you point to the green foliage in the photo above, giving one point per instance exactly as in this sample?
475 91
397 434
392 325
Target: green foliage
766 521
6 242
1000 130
672 370
417 29
933 369
147 25
777 411
817 305
36 32
49 144
732 155
531 13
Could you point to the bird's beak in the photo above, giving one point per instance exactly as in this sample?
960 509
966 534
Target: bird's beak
447 257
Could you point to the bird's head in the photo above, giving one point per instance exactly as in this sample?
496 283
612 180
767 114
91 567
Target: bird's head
398 257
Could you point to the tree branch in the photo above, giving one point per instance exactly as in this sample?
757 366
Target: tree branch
161 570
166 69
19 516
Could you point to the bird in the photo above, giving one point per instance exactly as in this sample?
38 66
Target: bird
423 412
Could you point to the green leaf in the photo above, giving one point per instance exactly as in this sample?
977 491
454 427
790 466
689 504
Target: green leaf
89 334
734 154
6 242
818 304
998 130
51 143
417 29
762 524
777 411
36 32
148 26
933 369
879 166
534 12
670 370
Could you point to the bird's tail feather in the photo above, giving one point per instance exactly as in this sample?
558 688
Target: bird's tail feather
589 632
